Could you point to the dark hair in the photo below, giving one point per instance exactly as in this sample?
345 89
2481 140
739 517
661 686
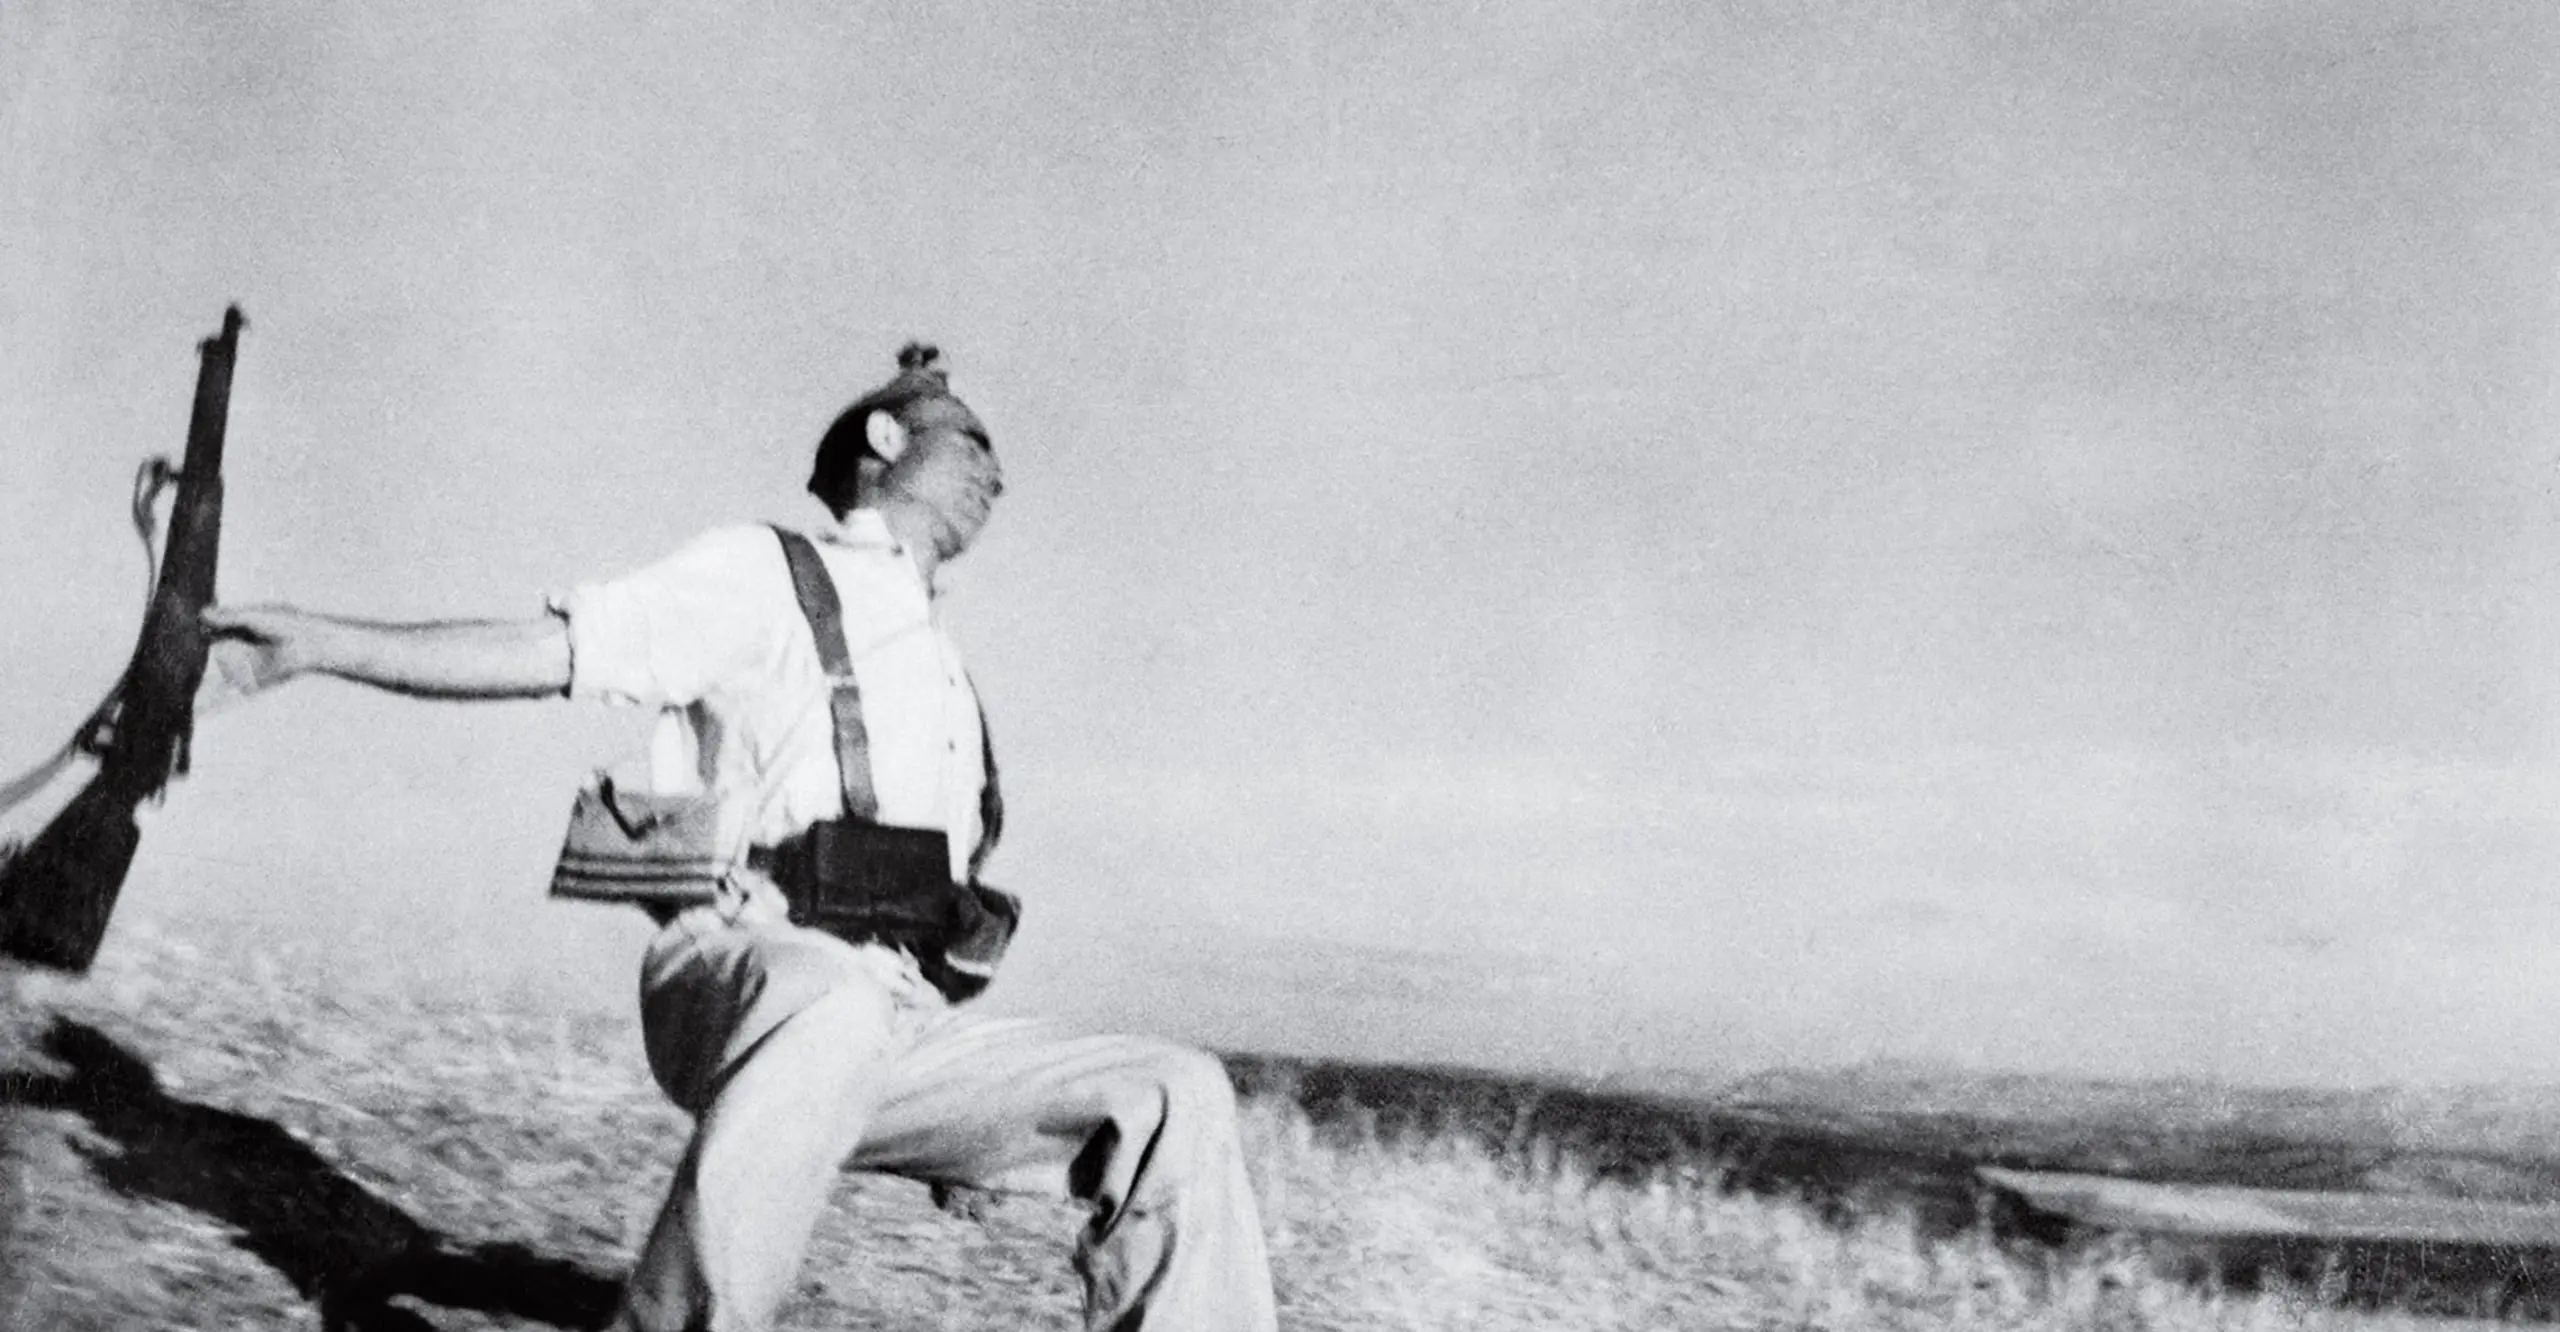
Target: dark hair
848 441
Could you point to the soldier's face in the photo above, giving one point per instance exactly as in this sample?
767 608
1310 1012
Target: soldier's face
955 475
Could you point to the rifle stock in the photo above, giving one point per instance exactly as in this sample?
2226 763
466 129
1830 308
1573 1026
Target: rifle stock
58 891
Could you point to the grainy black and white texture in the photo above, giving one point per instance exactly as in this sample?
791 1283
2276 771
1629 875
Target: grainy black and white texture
1616 541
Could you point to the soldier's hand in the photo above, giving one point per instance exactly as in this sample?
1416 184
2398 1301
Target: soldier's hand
254 649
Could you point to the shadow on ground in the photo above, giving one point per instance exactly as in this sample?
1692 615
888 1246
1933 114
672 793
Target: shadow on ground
340 1245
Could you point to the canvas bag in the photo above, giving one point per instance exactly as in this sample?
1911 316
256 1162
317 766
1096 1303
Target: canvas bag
658 850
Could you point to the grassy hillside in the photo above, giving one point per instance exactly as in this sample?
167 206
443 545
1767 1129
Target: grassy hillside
205 1138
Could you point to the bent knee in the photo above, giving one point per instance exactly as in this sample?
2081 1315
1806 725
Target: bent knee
1196 1086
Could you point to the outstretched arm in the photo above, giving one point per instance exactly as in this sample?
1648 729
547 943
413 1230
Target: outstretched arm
459 659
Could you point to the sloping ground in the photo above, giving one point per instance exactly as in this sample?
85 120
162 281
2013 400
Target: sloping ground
2221 1211
1921 1171
205 1140
203 1137
2475 1142
1915 1138
2447 1255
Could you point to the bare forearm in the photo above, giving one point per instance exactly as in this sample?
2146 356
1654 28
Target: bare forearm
456 659
453 658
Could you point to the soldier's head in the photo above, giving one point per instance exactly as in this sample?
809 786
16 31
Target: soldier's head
910 442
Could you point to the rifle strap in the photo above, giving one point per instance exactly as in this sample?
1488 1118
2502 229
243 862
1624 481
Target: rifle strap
154 477
35 779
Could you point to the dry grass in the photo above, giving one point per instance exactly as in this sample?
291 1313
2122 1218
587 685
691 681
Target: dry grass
1439 1232
209 1140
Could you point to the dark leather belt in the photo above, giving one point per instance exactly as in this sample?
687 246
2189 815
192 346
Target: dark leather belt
872 883
865 882
854 861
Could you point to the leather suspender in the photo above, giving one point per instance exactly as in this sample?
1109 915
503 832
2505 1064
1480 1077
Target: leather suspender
825 612
990 795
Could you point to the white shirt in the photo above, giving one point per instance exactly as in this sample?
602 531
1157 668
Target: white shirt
714 635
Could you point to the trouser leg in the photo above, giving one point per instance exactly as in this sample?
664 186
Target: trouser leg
778 1041
1141 1129
800 1054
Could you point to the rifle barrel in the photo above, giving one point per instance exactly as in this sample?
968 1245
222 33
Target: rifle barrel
157 721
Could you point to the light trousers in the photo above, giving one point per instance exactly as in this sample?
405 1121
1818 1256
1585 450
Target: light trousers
800 1055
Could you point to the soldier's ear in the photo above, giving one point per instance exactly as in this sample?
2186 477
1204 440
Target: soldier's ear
886 437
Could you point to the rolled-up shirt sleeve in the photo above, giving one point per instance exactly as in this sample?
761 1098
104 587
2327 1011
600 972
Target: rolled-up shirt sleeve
666 634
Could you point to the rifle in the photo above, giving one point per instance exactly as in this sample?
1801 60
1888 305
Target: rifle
57 891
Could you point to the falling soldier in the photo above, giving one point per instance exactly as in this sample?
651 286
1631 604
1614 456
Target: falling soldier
807 1010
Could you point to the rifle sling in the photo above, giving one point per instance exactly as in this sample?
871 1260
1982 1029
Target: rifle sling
155 476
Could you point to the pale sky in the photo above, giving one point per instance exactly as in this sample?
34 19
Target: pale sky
1595 536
